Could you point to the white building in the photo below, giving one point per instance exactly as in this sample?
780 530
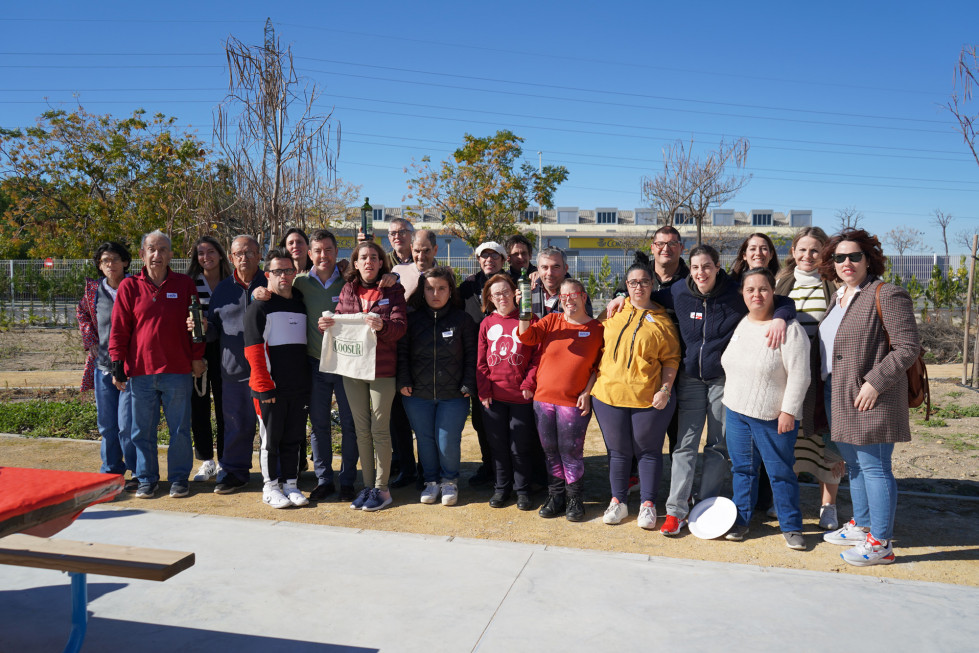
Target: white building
607 230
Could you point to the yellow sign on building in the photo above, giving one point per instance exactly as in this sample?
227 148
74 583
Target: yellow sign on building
594 243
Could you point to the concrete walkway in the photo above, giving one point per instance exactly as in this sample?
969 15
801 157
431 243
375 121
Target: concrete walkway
270 586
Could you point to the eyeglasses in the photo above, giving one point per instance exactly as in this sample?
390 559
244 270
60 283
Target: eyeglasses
856 257
489 253
501 295
287 272
639 283
398 233
246 254
669 243
571 295
106 260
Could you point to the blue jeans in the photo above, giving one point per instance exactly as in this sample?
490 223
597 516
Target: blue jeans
114 414
438 428
873 490
324 386
750 442
173 392
697 401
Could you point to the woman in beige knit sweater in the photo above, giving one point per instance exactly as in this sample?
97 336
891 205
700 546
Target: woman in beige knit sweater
763 408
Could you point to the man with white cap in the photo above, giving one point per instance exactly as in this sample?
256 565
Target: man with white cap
491 257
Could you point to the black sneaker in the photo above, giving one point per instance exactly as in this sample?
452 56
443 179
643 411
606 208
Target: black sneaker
402 480
574 511
347 493
322 491
229 485
131 485
499 499
482 476
737 533
553 506
146 490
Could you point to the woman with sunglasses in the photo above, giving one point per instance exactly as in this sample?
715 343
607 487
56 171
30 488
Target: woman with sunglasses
865 356
571 349
370 401
506 376
815 454
633 398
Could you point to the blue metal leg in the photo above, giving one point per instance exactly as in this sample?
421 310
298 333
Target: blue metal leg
79 612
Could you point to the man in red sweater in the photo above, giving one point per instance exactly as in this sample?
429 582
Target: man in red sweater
150 346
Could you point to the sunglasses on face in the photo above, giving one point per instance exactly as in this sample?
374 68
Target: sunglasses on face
856 257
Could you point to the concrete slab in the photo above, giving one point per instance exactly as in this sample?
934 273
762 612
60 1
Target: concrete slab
261 586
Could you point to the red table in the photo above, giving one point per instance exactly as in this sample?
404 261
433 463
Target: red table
41 502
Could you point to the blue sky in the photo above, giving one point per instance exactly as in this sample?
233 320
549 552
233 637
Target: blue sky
842 103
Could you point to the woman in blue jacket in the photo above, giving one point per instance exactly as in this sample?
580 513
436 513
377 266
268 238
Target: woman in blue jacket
708 306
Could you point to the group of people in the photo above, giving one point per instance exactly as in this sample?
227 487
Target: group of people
819 368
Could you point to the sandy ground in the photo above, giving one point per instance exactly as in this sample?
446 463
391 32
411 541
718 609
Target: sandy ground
937 537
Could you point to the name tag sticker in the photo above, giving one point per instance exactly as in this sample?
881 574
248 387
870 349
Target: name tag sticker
696 316
649 318
383 302
584 334
171 295
447 334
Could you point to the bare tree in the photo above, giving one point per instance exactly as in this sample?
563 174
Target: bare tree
277 146
849 218
724 239
942 220
963 238
904 238
960 102
672 188
712 185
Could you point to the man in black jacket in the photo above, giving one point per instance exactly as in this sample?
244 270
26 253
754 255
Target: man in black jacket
491 256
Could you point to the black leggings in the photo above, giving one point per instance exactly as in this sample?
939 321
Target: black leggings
511 434
635 432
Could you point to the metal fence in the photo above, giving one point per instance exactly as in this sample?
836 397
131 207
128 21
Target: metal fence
34 294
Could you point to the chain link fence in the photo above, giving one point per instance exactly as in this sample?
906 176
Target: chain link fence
35 294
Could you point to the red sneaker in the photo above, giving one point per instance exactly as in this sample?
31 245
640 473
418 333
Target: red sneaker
633 484
672 525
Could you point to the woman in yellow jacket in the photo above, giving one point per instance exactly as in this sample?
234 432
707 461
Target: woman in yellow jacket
633 397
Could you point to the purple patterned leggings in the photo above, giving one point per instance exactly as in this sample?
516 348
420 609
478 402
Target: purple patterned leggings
562 435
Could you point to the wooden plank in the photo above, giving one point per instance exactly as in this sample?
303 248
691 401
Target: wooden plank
93 558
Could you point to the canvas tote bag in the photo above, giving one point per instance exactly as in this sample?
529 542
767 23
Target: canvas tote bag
349 347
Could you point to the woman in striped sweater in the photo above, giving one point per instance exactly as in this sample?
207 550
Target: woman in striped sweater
208 265
814 453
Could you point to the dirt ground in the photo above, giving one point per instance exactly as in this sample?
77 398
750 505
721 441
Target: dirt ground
937 537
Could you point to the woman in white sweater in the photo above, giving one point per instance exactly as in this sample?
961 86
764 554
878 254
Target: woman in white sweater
763 408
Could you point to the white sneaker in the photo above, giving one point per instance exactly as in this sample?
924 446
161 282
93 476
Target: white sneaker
450 493
827 517
849 535
647 516
615 512
431 492
207 471
295 496
772 513
869 552
272 495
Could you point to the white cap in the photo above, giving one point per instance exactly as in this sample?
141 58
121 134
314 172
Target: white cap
493 245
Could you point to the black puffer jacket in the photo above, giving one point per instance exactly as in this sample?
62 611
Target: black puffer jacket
437 355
